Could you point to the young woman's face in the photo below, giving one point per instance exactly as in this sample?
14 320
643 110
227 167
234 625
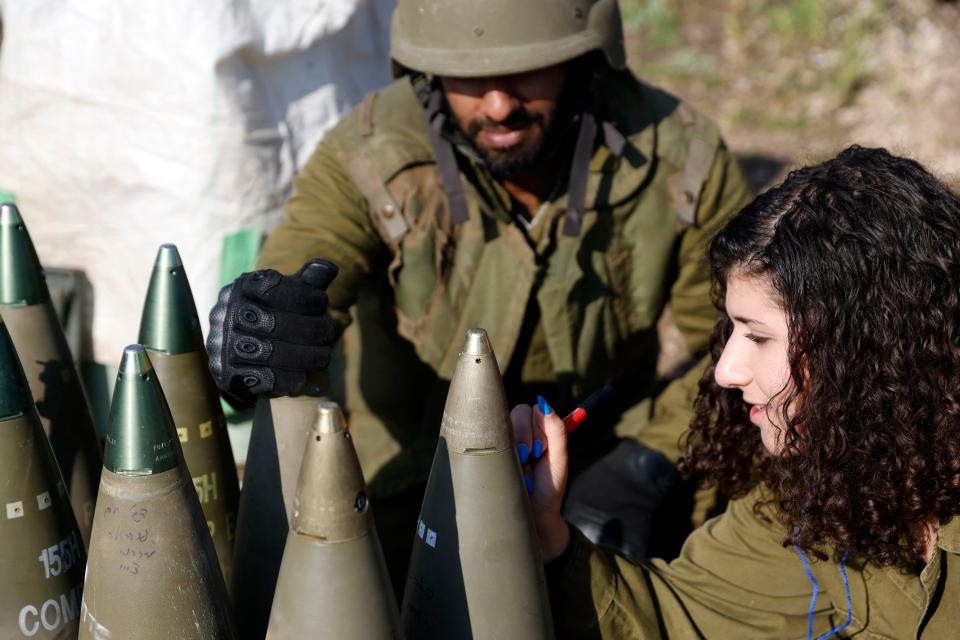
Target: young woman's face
755 360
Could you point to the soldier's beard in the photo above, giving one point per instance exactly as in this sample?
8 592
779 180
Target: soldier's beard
544 131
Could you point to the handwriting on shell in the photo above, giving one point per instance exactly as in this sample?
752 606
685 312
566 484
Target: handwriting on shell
129 531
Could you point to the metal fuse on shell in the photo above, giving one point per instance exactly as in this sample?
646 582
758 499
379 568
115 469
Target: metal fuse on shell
333 581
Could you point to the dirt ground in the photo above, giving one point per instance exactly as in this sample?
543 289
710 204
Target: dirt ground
794 81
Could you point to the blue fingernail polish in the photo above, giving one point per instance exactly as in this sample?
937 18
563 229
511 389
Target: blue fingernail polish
523 451
544 407
528 480
537 449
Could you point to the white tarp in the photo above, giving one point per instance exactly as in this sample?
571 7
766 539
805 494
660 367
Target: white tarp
125 124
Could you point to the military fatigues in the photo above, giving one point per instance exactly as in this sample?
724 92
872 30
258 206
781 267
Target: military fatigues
734 579
370 199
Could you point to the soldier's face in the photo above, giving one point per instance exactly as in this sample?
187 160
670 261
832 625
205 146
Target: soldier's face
756 358
508 119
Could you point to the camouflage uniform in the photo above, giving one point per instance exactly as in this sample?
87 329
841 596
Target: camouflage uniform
735 579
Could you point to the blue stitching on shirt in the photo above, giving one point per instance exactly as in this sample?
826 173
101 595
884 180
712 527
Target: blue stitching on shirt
816 592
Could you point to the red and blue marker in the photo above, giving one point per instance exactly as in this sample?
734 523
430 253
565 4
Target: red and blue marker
578 415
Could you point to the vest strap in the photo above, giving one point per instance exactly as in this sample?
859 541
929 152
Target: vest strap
384 208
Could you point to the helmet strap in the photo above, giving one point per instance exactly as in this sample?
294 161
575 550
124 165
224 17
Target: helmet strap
579 171
583 151
431 97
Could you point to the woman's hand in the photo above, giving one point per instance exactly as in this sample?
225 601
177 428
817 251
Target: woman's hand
542 447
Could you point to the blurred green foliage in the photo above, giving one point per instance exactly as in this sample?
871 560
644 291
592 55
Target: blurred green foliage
796 58
804 22
655 25
656 22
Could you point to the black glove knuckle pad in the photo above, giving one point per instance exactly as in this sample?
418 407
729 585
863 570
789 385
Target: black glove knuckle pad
255 320
251 380
250 349
257 284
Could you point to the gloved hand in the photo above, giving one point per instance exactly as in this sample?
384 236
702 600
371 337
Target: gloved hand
269 332
633 500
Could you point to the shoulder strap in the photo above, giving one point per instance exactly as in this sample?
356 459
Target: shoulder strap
695 170
702 140
383 207
366 114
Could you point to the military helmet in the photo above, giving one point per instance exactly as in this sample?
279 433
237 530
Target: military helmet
476 38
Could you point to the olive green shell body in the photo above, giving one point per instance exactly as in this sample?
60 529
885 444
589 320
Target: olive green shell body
152 572
334 590
41 553
48 364
61 403
201 428
170 333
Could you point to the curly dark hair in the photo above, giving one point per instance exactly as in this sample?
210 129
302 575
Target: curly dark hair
863 252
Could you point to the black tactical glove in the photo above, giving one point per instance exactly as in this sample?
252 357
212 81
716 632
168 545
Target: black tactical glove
269 332
633 500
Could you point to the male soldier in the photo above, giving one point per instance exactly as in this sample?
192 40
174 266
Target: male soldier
516 177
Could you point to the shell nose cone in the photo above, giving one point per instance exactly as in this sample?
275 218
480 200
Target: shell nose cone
168 257
134 360
169 322
9 214
477 343
475 416
141 437
330 418
21 277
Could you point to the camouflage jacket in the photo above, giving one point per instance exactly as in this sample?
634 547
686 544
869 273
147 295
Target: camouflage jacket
568 314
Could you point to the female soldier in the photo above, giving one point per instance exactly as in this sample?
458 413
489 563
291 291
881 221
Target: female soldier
831 415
